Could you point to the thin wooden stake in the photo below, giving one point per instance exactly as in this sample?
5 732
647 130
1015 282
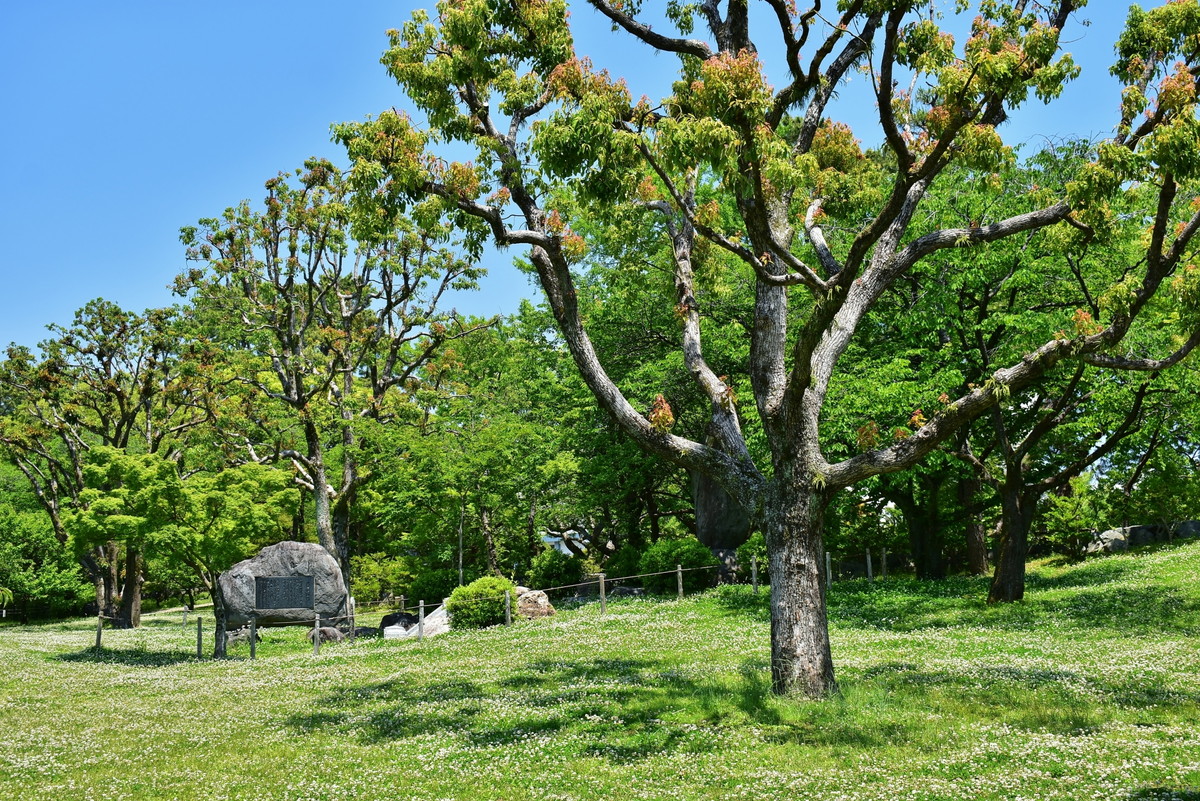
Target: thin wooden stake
507 608
679 580
420 621
603 605
316 633
754 572
199 637
401 603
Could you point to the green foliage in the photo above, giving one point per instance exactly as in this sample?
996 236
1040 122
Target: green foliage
480 603
625 562
665 555
1071 516
553 568
756 546
378 575
431 586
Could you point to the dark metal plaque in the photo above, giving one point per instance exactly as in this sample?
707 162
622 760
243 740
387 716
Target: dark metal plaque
283 592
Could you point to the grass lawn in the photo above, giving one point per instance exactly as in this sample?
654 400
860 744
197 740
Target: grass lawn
1089 689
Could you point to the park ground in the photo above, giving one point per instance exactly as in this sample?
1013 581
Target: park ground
1088 689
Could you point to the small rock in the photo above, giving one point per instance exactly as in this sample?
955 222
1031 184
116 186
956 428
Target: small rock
328 634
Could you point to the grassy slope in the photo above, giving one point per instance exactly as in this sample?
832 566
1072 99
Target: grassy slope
1088 689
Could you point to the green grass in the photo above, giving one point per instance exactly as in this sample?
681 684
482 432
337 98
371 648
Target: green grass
1089 689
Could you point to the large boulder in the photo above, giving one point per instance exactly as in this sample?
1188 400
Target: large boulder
534 604
1122 539
282 560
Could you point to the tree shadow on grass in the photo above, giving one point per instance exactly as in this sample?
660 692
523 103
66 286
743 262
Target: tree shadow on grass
1164 794
134 657
619 710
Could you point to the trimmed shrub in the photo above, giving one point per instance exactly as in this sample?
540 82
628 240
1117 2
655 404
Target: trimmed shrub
688 553
480 603
755 546
553 568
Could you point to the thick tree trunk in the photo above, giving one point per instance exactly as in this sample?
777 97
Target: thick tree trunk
801 661
1008 583
130 616
977 556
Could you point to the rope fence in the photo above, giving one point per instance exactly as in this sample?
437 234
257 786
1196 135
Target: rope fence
601 581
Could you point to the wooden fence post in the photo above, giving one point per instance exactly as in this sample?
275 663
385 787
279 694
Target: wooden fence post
401 603
420 621
253 636
507 608
679 580
870 572
754 572
316 633
352 621
602 595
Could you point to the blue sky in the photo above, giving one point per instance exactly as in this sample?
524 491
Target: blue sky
124 121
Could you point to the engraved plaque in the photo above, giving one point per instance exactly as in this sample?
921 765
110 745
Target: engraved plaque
283 592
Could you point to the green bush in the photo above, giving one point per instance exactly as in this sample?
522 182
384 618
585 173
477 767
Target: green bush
755 546
553 568
480 603
432 586
625 562
666 554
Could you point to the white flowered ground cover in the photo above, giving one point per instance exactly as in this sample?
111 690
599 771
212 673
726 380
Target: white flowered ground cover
1069 695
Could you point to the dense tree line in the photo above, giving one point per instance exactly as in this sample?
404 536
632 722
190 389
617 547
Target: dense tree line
940 346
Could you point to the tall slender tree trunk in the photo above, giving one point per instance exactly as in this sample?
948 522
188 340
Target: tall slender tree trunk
977 556
131 597
1008 583
220 627
801 661
489 541
112 577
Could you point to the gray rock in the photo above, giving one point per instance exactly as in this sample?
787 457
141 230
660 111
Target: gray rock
534 604
285 559
240 636
1122 539
1188 528
328 634
1111 541
405 619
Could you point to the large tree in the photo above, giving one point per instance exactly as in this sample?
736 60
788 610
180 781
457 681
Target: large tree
323 315
826 229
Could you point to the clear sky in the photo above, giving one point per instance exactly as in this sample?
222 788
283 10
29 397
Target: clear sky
124 121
